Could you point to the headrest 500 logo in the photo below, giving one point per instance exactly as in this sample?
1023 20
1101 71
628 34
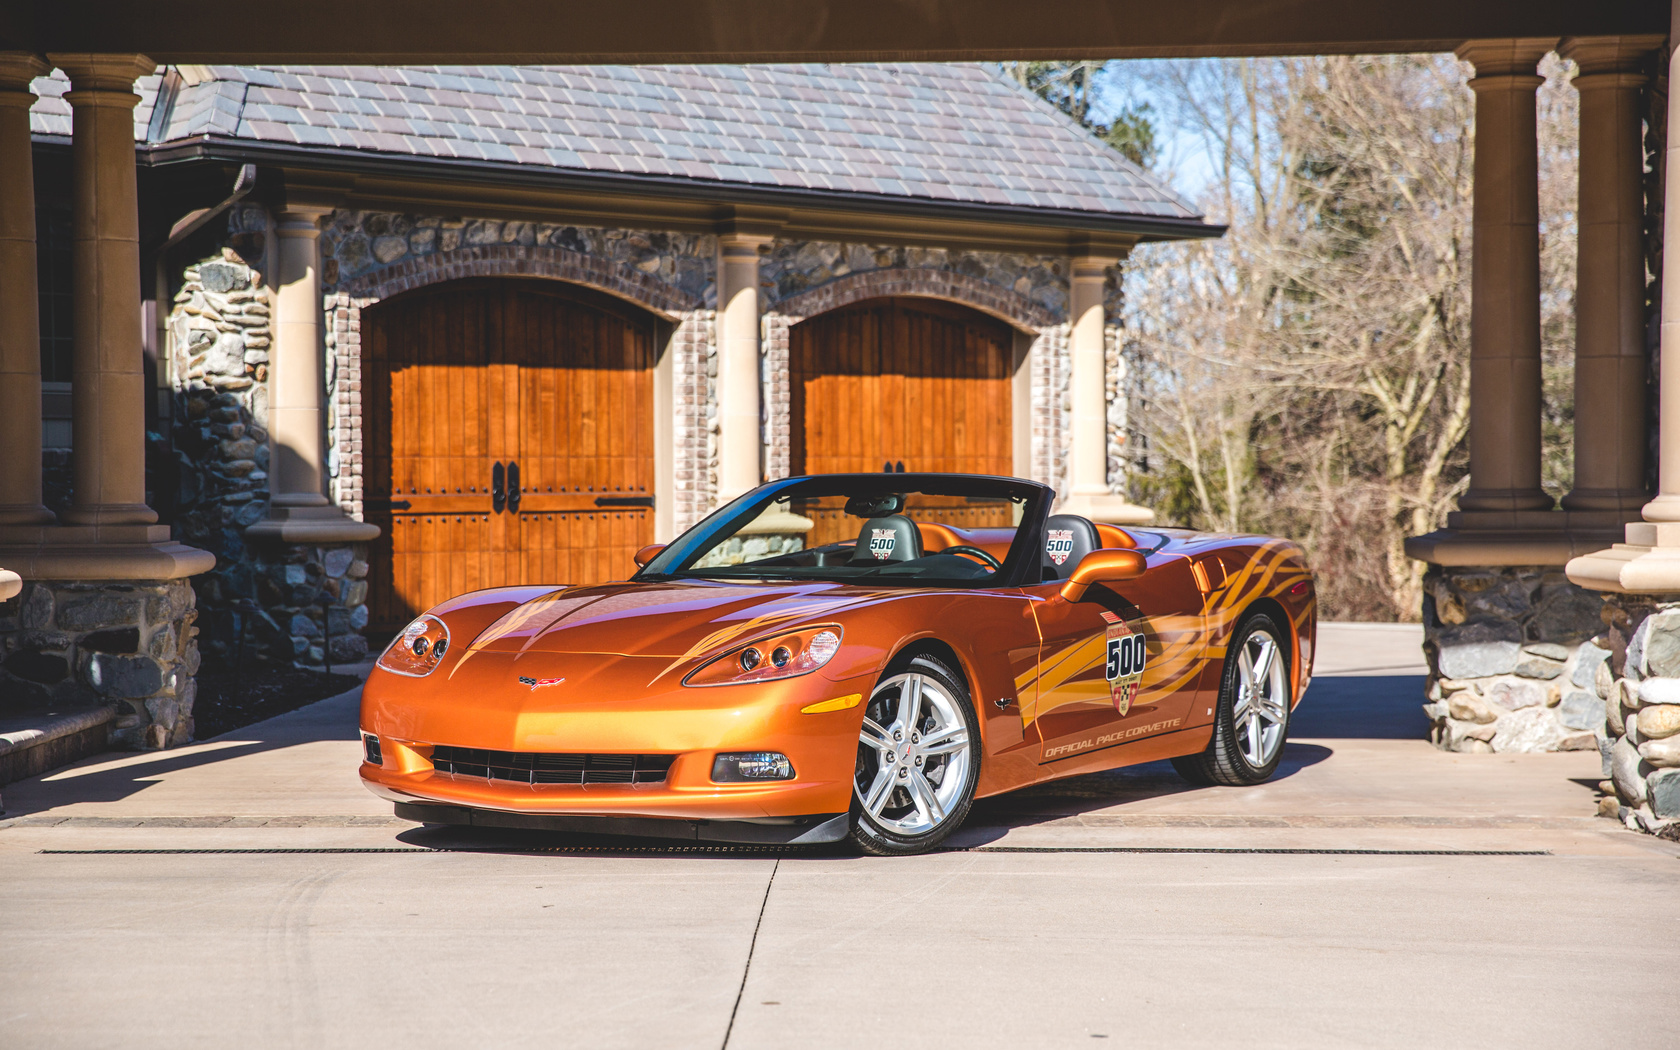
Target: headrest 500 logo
882 542
1059 545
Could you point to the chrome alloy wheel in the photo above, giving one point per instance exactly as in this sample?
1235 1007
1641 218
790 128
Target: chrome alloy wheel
1261 708
913 755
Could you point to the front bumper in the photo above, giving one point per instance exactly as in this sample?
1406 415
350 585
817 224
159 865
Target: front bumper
791 831
612 705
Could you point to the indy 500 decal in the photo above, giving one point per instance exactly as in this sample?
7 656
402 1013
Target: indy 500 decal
882 542
1126 653
1059 545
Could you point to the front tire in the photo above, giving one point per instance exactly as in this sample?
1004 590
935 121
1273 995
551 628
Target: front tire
918 760
1252 719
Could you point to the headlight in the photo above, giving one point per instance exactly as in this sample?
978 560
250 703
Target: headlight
782 656
419 649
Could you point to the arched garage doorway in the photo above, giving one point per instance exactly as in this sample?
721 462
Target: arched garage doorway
918 382
508 439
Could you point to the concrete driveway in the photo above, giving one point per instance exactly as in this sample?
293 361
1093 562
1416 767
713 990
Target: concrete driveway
248 891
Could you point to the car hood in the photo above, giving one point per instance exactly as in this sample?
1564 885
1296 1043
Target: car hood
676 619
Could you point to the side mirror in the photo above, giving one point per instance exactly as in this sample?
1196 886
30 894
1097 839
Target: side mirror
1103 566
647 554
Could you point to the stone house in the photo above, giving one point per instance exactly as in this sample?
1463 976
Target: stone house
411 331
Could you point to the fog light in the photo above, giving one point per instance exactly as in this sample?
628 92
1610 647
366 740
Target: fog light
752 765
370 749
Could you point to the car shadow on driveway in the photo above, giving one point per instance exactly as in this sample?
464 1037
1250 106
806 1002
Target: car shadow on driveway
1079 795
1342 708
1372 707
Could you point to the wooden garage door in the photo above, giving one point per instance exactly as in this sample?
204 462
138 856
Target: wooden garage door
911 381
551 383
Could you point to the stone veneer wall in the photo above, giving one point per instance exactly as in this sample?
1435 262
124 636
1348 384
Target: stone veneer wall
68 644
1052 408
1117 389
1517 659
291 603
1640 683
694 431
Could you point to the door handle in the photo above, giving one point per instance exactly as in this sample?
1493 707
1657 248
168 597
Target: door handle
513 487
498 498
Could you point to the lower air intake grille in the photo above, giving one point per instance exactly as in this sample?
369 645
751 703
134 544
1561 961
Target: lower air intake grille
541 767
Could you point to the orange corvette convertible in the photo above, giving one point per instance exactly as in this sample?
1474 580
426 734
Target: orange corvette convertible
845 656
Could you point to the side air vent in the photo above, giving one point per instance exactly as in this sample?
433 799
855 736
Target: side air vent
541 767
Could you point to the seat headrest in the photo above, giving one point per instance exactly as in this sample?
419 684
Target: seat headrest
890 538
1067 539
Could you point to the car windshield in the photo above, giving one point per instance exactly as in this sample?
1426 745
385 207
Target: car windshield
946 530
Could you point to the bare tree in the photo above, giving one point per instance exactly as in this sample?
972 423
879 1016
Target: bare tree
1309 374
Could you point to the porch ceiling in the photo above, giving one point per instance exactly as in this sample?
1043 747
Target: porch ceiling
542 31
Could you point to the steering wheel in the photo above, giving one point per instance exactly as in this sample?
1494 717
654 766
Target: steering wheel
974 552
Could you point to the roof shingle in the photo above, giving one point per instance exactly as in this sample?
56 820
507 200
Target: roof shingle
943 132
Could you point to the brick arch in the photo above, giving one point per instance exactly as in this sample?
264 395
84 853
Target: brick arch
518 260
1006 304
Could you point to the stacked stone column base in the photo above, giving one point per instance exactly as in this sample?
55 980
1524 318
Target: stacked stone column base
66 644
1516 657
1641 687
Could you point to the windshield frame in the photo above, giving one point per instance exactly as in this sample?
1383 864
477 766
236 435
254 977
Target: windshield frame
1020 567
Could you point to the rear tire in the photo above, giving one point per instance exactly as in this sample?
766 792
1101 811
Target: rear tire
1251 722
918 760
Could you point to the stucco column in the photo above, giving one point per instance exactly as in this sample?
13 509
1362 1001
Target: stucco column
1505 280
1666 506
1649 561
108 391
1087 477
1610 277
20 333
298 508
739 386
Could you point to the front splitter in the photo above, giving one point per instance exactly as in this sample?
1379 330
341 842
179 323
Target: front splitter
790 831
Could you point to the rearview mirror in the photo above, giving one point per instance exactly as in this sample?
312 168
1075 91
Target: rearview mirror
647 554
1103 566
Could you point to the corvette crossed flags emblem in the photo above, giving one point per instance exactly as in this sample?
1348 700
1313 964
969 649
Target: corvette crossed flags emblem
538 683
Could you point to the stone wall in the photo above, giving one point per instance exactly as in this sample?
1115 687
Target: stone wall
357 244
694 430
292 604
66 644
1640 683
1516 657
1052 408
